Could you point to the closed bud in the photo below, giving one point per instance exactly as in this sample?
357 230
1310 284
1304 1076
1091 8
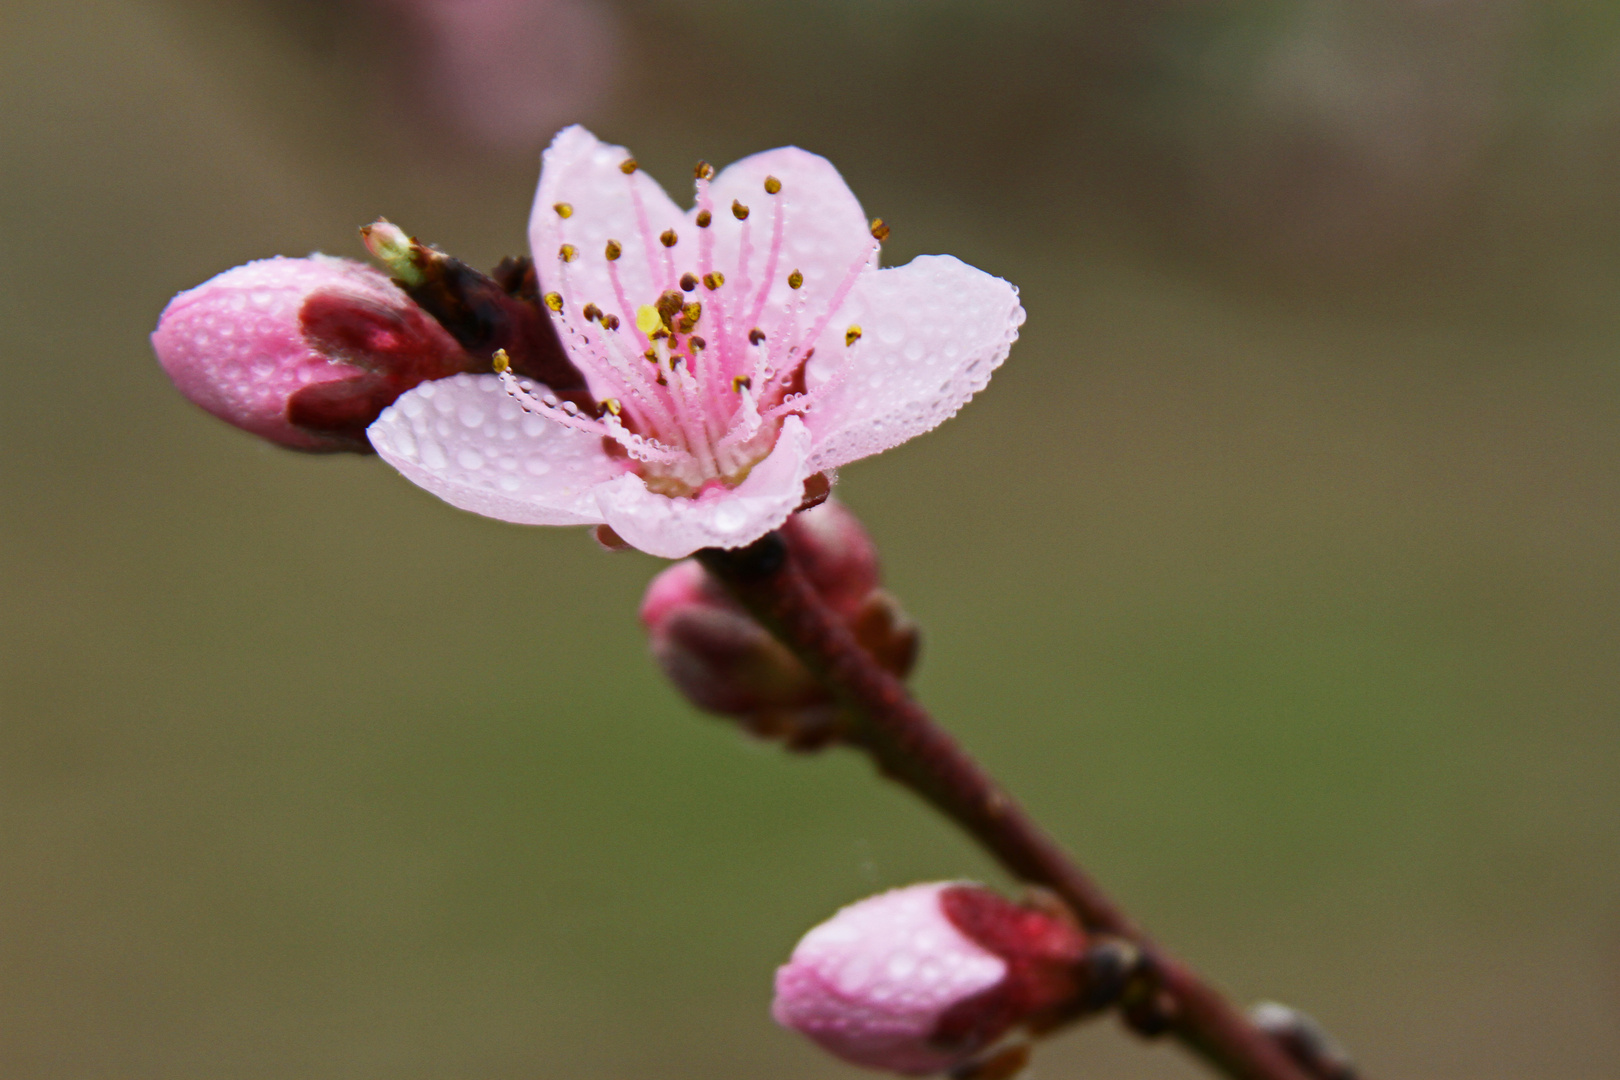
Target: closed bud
302 352
726 663
833 550
719 657
930 977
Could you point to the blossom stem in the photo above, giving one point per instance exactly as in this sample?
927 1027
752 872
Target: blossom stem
909 747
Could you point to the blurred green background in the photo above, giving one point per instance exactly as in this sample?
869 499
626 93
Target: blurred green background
1277 570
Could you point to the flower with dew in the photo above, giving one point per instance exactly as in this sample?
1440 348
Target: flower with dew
734 351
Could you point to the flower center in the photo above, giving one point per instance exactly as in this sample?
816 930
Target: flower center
697 378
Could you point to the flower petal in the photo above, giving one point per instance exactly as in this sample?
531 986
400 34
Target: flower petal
582 174
467 442
931 334
674 528
825 232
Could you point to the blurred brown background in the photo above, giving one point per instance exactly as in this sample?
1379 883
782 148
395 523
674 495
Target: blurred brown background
1277 570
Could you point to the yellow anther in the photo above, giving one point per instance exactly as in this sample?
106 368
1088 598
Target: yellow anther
740 381
795 279
703 171
703 219
628 166
564 210
772 185
693 311
567 253
501 362
852 335
880 231
714 280
648 319
554 301
668 238
739 211
613 250
611 405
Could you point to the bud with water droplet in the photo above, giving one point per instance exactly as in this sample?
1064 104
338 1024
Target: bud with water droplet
302 352
930 977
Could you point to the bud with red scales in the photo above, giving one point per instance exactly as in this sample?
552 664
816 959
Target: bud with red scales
945 976
725 662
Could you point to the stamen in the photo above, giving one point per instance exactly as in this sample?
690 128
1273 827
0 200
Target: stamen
667 238
772 185
740 381
755 336
567 253
703 219
554 301
880 231
638 447
610 321
628 166
592 313
839 295
644 227
688 282
613 250
618 294
772 259
668 305
739 211
564 210
852 335
713 280
795 279
703 171
612 405
500 362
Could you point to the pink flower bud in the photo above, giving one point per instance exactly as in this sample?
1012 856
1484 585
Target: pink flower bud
719 657
302 352
832 548
927 978
725 662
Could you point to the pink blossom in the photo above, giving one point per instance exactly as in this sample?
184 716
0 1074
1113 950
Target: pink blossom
926 978
737 349
303 352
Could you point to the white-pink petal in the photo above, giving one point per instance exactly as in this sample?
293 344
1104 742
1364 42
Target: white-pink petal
674 528
466 441
931 334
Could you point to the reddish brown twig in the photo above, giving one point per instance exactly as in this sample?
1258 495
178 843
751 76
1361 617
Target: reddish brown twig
909 747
